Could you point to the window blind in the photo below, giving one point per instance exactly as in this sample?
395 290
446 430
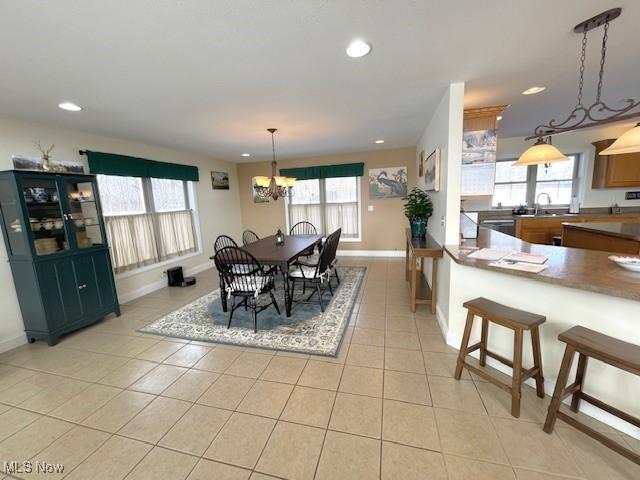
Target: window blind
126 166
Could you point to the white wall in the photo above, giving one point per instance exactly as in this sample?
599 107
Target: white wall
444 131
574 142
218 210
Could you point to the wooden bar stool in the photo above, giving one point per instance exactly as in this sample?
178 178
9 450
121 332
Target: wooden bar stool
589 343
516 320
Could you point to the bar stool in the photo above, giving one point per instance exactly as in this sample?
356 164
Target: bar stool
516 320
589 343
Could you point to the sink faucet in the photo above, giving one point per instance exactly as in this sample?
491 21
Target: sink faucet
538 201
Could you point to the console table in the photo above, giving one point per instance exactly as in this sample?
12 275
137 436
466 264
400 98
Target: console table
417 250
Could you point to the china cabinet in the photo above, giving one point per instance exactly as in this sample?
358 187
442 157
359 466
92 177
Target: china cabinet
56 244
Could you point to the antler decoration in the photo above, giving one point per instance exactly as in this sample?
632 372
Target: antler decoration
45 155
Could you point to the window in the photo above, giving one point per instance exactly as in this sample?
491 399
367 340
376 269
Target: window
522 185
148 220
328 204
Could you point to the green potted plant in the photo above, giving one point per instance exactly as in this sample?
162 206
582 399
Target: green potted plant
418 208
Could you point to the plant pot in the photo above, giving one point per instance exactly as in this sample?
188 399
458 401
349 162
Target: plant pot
419 228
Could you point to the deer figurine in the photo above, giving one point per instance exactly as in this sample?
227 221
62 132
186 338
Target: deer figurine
45 155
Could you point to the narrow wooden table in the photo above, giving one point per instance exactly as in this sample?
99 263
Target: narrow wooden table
421 248
267 252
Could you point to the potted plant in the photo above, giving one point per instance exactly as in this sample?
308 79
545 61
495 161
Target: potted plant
418 208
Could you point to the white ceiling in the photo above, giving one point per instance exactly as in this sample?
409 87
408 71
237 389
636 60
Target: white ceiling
212 75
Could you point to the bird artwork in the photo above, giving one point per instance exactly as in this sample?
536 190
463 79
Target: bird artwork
389 182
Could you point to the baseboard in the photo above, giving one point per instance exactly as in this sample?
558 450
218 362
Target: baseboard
157 285
14 342
371 253
549 386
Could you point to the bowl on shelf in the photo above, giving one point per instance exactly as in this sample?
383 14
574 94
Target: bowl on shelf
628 263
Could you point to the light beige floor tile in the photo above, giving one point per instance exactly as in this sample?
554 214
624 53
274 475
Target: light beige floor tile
51 398
370 320
347 457
160 351
266 399
522 474
163 463
158 379
14 420
249 365
406 340
309 406
241 440
69 450
118 411
261 476
321 375
218 359
27 388
283 369
529 447
112 461
194 432
368 336
406 387
292 451
456 395
442 365
155 419
210 470
33 439
99 367
403 360
594 459
10 375
357 414
435 343
85 403
410 424
226 392
399 323
191 385
469 435
460 468
127 374
188 355
498 403
408 463
366 356
361 381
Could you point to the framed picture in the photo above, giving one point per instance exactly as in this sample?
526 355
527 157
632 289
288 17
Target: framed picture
389 182
257 198
421 164
432 171
36 164
220 180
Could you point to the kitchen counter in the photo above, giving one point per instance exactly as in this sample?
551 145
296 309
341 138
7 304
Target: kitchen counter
571 267
629 231
608 237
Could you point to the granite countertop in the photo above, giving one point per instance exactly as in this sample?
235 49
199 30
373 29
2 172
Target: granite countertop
589 270
629 231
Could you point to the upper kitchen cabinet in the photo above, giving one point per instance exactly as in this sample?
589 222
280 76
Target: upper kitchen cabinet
615 171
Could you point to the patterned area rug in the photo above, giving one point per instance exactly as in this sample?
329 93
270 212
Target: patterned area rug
308 330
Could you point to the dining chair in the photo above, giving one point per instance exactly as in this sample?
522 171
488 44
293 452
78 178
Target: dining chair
249 236
247 283
318 274
223 241
304 228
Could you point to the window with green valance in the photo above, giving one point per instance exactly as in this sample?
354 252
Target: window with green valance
324 171
126 166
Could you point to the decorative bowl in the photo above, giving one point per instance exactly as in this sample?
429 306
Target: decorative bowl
628 263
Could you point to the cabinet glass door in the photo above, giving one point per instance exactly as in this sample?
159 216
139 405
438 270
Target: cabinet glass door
46 216
84 216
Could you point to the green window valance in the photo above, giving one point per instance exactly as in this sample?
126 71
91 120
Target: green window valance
324 171
126 166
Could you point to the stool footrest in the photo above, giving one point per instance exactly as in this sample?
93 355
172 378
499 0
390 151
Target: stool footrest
499 358
473 348
606 441
608 408
527 374
570 390
488 378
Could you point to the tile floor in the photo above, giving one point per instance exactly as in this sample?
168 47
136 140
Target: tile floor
110 403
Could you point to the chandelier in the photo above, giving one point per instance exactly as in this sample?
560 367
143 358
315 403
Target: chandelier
275 186
594 115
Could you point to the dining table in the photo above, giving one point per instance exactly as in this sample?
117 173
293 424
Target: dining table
281 256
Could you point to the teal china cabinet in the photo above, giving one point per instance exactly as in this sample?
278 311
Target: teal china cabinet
57 248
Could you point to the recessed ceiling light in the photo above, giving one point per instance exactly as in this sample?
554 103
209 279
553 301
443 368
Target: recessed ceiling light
70 106
379 141
358 48
245 154
533 90
498 118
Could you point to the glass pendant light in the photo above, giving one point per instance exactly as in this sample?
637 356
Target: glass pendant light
541 153
628 142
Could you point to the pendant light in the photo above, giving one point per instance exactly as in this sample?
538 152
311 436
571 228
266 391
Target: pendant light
541 152
275 186
628 142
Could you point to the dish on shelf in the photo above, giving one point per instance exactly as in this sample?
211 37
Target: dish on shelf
628 263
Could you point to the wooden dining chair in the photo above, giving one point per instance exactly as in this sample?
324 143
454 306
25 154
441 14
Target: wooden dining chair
304 228
249 236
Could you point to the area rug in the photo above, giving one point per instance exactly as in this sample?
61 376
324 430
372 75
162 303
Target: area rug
308 330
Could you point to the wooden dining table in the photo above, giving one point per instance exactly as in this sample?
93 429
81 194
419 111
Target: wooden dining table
267 252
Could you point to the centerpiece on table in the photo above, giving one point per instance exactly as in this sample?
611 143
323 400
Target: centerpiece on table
418 208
